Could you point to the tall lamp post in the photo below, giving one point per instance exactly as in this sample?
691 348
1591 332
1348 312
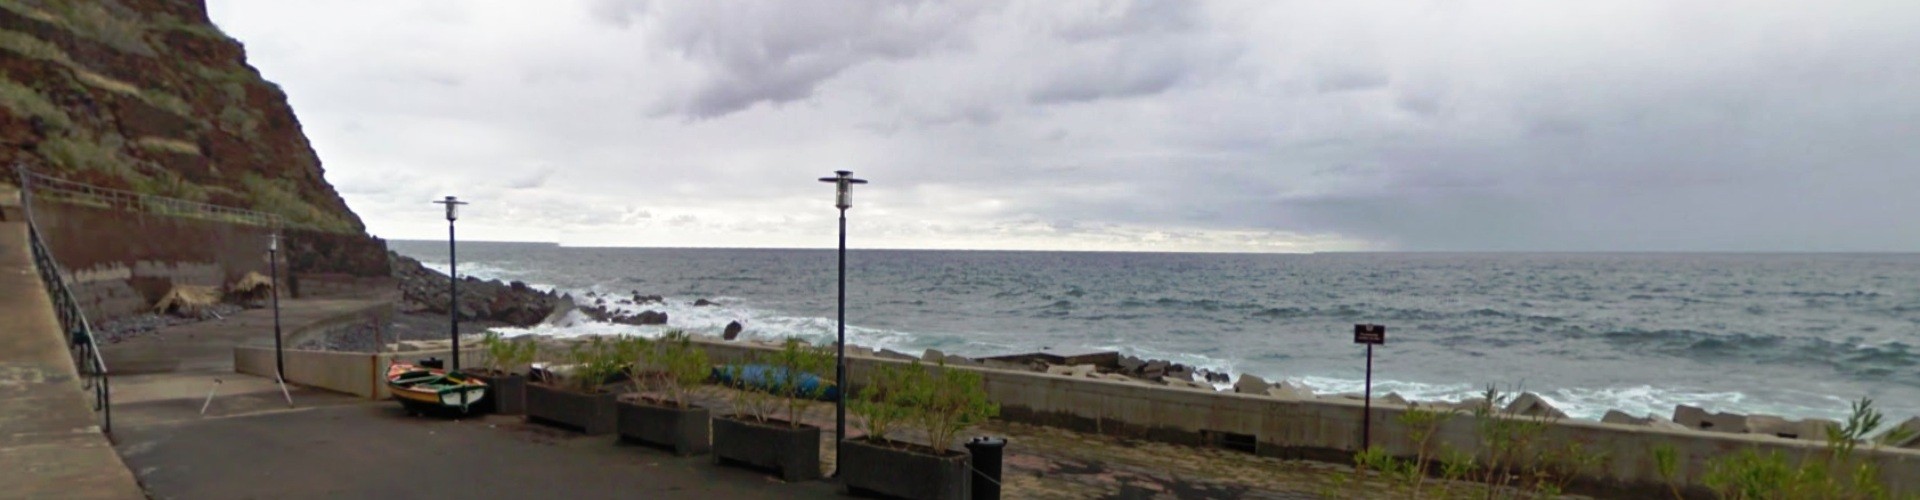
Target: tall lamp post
843 200
273 268
453 283
273 289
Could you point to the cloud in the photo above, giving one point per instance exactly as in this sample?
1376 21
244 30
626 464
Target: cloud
1143 125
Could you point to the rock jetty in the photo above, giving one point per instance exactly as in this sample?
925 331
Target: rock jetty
513 303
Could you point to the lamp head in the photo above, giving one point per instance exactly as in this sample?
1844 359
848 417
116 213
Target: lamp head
843 196
453 207
273 242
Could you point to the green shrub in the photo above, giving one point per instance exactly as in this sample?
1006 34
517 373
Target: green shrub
33 48
944 402
119 28
797 359
680 368
503 356
592 364
278 196
28 101
879 405
750 403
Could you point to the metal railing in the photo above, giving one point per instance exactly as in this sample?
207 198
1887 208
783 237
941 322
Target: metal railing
73 322
49 188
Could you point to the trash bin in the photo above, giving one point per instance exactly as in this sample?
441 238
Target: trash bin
986 451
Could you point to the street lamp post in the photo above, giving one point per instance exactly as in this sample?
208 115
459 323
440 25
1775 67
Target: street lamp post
843 200
273 268
453 284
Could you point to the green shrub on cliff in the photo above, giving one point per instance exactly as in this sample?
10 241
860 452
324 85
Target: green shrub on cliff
112 25
27 101
277 196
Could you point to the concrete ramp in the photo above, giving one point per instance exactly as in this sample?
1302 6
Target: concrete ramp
50 440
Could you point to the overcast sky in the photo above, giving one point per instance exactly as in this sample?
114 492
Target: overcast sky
1182 126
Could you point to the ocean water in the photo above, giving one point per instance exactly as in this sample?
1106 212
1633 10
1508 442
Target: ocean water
1799 335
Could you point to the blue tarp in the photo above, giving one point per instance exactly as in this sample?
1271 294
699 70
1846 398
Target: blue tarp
765 377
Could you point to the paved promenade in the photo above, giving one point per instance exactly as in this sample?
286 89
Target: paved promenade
50 440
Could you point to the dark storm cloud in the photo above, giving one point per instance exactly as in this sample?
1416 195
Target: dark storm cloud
1443 125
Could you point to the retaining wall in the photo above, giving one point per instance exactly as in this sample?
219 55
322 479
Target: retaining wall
358 373
120 262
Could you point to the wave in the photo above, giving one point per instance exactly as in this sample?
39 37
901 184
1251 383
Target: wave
1891 361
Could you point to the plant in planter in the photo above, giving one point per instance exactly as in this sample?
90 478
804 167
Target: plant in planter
765 431
504 360
664 415
580 398
939 403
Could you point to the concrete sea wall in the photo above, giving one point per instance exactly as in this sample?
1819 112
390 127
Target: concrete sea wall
1316 429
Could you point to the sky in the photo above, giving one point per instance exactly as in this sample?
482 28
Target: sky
1241 126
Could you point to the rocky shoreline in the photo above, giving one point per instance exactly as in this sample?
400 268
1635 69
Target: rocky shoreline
512 303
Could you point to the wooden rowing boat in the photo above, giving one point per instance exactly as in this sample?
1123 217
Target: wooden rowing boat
424 390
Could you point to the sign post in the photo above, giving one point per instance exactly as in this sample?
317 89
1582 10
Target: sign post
1370 335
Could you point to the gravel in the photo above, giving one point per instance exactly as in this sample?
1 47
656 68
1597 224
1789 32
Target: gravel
132 327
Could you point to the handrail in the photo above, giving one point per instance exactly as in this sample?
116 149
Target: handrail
87 194
87 361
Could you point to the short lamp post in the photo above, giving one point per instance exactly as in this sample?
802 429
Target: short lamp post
273 279
453 282
843 199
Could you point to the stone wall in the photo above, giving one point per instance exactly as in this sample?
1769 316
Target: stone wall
120 262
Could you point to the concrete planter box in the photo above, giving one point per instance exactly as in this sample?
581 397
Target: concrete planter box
592 414
793 451
506 394
683 430
867 468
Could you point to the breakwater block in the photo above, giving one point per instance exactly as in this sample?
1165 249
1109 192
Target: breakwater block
1104 359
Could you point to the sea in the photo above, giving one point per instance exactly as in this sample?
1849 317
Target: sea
1796 335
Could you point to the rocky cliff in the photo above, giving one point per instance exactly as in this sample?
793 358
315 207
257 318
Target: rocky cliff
150 96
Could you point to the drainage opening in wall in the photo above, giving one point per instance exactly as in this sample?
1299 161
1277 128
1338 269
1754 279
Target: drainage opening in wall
1231 441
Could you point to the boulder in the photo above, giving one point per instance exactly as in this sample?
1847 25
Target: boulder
1284 391
1773 426
1155 368
733 331
1003 365
1251 384
892 354
1815 429
1471 404
957 360
1532 405
704 303
1077 371
1392 398
1698 419
860 351
1187 384
1132 364
1622 418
